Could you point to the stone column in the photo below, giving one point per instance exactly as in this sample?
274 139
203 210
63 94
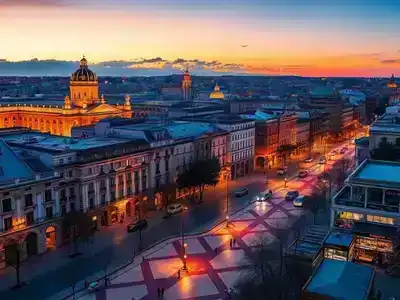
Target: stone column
18 205
107 190
58 204
366 197
39 205
85 204
384 197
125 184
140 180
97 192
117 195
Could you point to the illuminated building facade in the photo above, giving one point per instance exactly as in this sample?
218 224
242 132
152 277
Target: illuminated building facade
83 106
187 86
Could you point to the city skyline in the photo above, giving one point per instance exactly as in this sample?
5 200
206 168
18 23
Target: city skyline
234 37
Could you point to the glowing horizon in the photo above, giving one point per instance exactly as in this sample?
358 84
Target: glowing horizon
311 39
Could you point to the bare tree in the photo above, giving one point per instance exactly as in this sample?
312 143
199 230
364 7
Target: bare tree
263 279
340 170
13 253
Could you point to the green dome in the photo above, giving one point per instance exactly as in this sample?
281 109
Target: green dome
323 91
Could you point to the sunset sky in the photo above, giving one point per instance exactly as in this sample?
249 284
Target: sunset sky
301 37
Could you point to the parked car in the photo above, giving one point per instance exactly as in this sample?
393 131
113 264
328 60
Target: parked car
303 174
322 160
281 172
308 160
299 201
174 208
137 225
342 151
291 195
241 192
264 196
333 153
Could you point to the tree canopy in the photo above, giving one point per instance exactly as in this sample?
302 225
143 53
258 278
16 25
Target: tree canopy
285 151
202 173
385 151
77 226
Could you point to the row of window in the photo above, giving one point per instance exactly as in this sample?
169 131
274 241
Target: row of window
242 155
370 218
241 136
242 144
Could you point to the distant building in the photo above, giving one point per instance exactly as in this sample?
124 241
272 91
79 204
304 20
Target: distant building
186 86
217 94
83 106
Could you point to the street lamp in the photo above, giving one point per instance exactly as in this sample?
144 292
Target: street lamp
285 182
227 194
183 244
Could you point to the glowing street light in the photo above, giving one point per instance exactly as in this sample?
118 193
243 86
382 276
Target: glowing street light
286 181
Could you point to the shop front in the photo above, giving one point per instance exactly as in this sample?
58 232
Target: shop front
374 243
339 246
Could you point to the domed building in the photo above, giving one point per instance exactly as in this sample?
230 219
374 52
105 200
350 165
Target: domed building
83 106
217 94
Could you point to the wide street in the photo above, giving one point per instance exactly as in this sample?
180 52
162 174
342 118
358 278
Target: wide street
54 272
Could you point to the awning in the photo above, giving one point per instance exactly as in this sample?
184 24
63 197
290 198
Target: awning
376 229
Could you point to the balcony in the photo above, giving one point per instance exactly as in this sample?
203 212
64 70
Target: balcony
72 197
63 199
103 189
91 192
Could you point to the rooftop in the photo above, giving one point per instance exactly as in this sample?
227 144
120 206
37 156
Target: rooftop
53 143
11 166
341 280
309 243
339 239
378 173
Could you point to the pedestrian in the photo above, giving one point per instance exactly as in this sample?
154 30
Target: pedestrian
142 258
230 243
179 274
216 250
162 293
158 293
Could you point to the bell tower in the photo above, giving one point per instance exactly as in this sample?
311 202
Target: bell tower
186 86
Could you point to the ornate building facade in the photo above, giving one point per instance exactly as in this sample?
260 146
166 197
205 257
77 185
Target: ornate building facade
83 106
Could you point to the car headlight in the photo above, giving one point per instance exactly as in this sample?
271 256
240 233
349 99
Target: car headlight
257 198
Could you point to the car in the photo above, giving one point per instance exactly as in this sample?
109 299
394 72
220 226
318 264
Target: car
137 225
264 196
299 201
345 147
333 153
93 286
342 151
322 160
174 208
308 160
291 195
281 172
241 192
303 174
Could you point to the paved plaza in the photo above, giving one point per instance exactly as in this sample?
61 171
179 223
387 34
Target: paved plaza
213 266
